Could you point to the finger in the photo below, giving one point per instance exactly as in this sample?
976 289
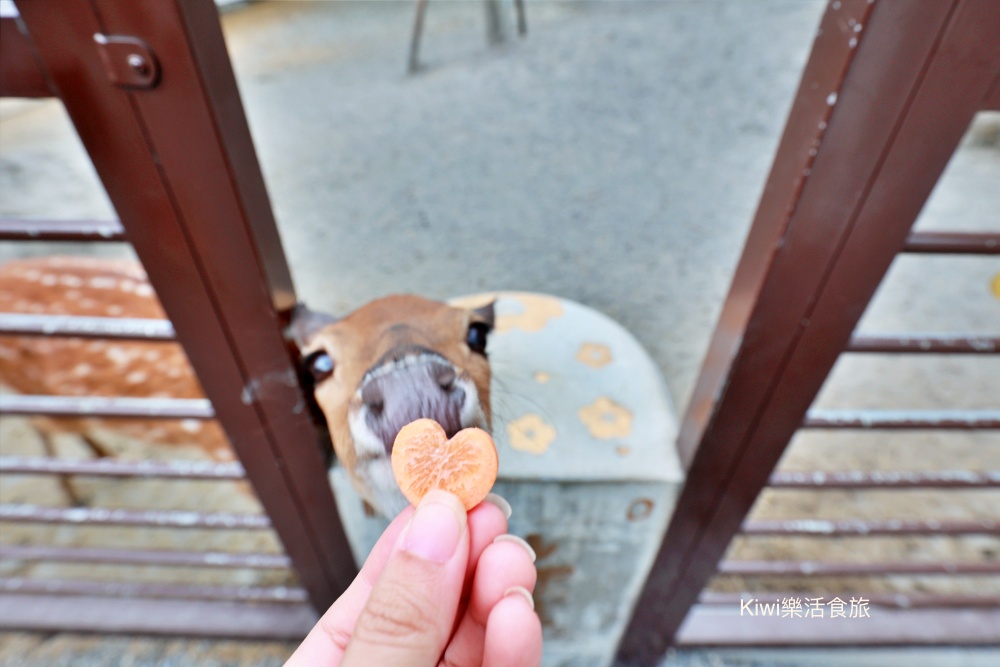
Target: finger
328 639
513 633
409 615
487 521
506 564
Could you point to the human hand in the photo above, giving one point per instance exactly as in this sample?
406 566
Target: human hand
441 587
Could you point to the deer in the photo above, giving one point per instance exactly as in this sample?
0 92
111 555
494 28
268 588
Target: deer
371 372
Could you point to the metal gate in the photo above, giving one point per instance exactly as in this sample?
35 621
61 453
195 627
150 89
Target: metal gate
887 94
151 92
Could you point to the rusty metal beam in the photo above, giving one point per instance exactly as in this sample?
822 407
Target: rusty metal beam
722 625
97 555
992 101
125 517
61 230
163 618
207 470
855 527
924 344
124 589
885 98
772 568
105 407
953 243
889 479
21 74
948 420
74 326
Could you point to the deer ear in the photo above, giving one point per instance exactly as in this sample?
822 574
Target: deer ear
307 323
486 314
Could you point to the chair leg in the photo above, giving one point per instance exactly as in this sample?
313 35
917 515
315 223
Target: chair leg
494 24
418 28
522 19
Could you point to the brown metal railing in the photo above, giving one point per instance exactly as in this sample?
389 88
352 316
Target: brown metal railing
108 407
879 112
115 468
857 479
136 590
180 169
75 326
61 230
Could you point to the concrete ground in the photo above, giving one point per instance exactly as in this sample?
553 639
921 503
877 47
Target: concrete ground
614 157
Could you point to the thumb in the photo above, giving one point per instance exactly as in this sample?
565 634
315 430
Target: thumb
411 611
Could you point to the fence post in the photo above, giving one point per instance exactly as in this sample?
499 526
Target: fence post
887 94
151 91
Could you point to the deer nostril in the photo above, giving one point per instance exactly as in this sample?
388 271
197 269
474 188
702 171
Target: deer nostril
373 397
444 376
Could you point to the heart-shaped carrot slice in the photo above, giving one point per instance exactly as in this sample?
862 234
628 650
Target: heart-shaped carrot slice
423 458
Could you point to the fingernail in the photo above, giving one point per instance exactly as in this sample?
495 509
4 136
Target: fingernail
523 592
435 528
506 537
501 502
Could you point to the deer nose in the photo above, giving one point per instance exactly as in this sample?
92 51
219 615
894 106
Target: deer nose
443 374
411 390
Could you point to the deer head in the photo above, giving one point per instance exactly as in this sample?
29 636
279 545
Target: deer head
390 362
382 366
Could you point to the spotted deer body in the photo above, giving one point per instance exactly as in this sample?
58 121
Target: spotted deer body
389 362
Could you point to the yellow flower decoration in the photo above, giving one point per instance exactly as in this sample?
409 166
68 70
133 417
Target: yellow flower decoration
594 355
529 433
606 419
538 310
996 285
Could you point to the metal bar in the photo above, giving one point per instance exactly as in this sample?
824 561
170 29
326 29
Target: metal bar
890 479
123 517
162 618
953 243
119 328
125 589
21 75
853 527
950 420
208 470
179 166
751 568
714 625
105 407
144 557
413 64
61 230
876 118
896 600
992 101
925 344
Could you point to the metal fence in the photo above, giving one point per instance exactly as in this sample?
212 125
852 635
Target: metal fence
885 98
887 94
151 92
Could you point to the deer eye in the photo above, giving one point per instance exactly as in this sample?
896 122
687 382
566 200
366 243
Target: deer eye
476 337
320 365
